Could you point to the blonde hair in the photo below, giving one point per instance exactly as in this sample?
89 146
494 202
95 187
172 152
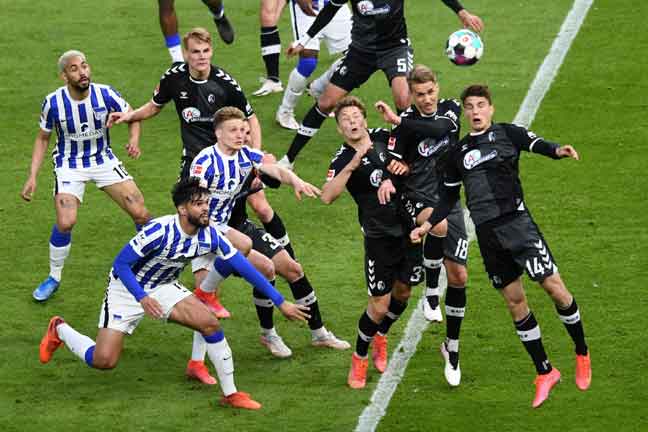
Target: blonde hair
227 113
197 33
421 74
67 56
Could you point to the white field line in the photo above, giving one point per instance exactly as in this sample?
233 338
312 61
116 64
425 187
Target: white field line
377 408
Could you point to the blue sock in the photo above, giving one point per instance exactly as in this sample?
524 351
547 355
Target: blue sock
215 337
173 40
306 66
89 354
60 239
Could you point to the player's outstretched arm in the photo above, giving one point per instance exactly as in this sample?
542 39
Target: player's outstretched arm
144 112
567 151
388 115
255 131
468 20
323 18
134 132
40 147
290 178
334 186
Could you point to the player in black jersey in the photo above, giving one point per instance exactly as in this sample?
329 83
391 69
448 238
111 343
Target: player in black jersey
486 162
421 139
392 263
378 42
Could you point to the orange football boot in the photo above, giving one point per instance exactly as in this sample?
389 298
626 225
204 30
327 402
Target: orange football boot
240 400
379 352
198 371
51 340
544 384
583 371
357 378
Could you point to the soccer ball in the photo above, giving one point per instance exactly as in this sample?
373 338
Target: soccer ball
464 47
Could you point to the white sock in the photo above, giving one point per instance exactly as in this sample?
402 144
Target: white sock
269 332
76 342
199 347
319 84
319 333
176 53
220 355
294 89
57 259
211 281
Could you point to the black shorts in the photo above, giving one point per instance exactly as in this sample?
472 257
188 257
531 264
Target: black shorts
511 245
261 241
388 259
357 66
455 244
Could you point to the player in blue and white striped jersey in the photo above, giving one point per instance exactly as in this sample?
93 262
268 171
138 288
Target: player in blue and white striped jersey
78 112
144 281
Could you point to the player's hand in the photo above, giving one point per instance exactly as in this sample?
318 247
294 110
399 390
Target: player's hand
417 234
152 307
294 49
567 151
28 189
117 118
294 312
471 21
357 157
302 187
398 168
133 149
269 158
385 191
307 7
388 115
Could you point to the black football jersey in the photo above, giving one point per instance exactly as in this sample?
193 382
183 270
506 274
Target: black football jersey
487 164
196 101
425 152
376 220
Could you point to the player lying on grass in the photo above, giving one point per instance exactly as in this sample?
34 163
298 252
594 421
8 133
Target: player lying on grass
392 263
144 281
486 162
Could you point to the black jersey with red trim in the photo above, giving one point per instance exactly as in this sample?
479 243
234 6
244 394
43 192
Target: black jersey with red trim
196 101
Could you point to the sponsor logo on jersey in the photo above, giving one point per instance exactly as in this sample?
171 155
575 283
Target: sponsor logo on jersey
197 169
391 144
474 158
376 177
183 95
330 174
429 146
367 8
192 114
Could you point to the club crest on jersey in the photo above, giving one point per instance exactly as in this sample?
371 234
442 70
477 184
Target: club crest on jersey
429 146
99 113
376 177
211 98
474 158
367 8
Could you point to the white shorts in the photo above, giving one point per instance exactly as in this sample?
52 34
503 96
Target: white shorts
120 311
337 33
203 262
72 180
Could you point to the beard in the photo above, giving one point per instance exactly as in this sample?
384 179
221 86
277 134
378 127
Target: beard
200 221
81 87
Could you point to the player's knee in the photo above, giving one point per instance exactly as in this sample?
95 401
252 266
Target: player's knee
401 291
263 211
244 245
267 269
326 103
294 271
105 361
306 65
65 223
457 275
377 308
440 229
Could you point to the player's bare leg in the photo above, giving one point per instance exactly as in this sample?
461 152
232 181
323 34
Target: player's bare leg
60 242
400 93
569 314
169 27
269 14
312 122
128 196
529 332
190 312
304 294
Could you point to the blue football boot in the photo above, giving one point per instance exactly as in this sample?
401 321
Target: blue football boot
46 289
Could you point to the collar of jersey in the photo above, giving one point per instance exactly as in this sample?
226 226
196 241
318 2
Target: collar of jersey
71 99
224 156
193 80
176 221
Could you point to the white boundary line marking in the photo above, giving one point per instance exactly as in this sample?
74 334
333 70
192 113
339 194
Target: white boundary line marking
377 408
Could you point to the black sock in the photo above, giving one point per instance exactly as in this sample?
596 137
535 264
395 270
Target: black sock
215 10
571 319
303 293
366 331
277 229
264 308
529 333
432 262
311 124
455 307
270 51
396 308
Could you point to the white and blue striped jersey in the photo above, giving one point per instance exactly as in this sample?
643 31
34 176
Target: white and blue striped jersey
165 250
225 176
83 140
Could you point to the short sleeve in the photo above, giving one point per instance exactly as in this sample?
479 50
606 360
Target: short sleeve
341 159
116 102
221 246
521 137
163 92
46 117
148 239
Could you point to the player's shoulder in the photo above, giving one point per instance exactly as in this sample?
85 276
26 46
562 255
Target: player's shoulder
251 153
342 153
450 108
205 155
411 111
219 74
177 71
378 134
